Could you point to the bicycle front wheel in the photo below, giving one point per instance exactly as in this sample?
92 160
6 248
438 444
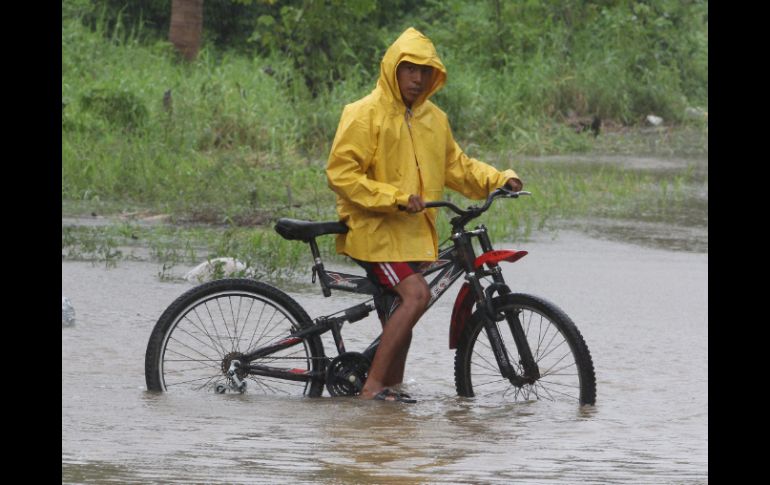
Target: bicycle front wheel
209 326
563 359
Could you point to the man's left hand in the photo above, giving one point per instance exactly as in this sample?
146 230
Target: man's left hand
514 185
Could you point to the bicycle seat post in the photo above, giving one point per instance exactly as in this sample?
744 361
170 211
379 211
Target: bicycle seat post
318 267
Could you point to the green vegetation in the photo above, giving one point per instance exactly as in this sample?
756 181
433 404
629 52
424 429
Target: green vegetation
240 136
561 191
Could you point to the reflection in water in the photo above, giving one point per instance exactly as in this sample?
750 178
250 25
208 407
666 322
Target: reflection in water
375 444
643 313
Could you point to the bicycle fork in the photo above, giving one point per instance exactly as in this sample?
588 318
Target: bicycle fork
527 360
531 372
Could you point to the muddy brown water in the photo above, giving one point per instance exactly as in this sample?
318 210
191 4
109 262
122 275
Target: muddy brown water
642 309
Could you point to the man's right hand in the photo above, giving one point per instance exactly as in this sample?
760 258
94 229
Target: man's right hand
416 204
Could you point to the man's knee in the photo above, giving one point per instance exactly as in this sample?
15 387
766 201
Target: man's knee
415 292
423 294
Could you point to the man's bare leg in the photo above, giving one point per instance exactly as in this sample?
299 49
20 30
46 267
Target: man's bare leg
389 360
395 373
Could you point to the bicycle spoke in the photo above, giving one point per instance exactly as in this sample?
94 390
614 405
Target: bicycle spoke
265 383
190 367
256 325
559 384
207 378
201 328
209 362
218 352
540 334
489 366
564 394
224 324
551 371
245 321
491 382
204 329
206 357
235 321
266 326
218 339
547 347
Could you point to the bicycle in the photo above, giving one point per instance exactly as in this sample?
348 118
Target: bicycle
232 334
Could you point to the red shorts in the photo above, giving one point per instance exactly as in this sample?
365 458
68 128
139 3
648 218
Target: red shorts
389 275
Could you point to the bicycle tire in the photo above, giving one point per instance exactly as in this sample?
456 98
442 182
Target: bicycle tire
567 373
194 336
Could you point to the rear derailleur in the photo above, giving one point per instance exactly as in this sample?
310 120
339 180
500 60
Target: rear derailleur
235 373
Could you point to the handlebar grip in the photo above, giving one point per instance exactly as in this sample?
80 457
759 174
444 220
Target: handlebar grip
428 205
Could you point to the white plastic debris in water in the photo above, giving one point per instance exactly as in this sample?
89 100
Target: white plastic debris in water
696 113
654 120
215 268
67 312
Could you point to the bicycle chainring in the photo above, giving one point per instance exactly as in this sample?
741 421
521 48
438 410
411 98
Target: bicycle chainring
347 374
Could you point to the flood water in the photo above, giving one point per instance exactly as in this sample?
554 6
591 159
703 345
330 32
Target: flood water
642 309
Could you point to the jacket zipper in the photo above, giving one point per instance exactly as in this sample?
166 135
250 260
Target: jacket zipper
408 116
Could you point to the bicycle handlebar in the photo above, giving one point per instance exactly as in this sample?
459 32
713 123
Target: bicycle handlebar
475 210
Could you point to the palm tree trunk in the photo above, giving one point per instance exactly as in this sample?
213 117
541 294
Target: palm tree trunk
186 27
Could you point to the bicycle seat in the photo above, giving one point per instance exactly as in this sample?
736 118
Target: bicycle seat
296 230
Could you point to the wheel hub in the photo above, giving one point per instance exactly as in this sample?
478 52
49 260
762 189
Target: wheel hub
241 372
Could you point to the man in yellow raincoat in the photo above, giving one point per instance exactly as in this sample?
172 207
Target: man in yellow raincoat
394 150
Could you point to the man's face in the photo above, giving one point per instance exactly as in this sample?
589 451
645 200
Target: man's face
413 80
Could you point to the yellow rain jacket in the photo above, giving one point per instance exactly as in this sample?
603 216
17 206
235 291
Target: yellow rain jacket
383 152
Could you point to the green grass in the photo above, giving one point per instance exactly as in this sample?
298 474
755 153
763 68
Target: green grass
239 141
234 120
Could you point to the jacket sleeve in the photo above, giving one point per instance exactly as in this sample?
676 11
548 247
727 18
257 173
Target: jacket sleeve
472 178
346 171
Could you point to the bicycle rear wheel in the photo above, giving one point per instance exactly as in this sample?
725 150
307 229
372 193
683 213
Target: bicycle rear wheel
207 327
566 368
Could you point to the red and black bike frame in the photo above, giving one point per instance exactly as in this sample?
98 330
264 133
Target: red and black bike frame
453 261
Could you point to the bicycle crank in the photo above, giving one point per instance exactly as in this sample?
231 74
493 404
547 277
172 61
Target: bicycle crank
347 374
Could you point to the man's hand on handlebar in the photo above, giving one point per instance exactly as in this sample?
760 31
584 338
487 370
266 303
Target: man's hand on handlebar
416 204
514 185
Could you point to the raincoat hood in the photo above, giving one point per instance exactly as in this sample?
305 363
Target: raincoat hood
414 47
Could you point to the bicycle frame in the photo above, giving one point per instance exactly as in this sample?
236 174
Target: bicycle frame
453 261
448 272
